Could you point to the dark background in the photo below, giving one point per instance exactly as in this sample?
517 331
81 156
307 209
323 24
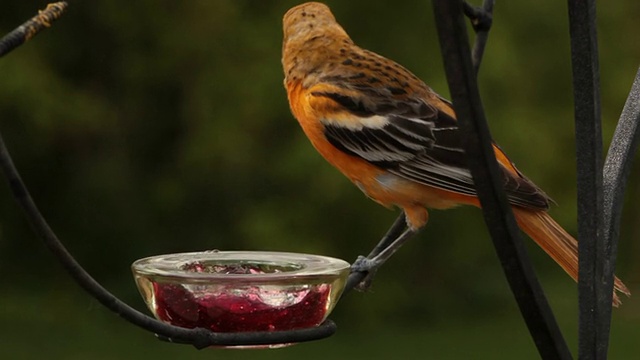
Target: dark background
149 127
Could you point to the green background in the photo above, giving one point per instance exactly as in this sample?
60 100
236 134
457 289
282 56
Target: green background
149 127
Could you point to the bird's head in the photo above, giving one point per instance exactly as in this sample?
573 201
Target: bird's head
312 30
307 20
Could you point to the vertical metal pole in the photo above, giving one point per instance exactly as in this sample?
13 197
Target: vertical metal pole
595 310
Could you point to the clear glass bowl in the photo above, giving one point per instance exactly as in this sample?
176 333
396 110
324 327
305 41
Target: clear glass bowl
239 291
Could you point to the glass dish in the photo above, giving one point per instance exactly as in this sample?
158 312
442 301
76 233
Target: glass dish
240 291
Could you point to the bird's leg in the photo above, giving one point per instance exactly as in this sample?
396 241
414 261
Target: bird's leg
390 243
393 233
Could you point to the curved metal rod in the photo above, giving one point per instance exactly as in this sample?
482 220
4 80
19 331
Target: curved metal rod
200 338
497 213
617 167
324 330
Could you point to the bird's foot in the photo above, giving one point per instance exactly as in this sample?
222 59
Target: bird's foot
369 267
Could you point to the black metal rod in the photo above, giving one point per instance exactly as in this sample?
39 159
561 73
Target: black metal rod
617 167
594 309
199 337
484 169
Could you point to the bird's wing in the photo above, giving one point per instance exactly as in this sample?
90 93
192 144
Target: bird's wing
410 138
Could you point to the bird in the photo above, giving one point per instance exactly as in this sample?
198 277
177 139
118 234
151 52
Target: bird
395 138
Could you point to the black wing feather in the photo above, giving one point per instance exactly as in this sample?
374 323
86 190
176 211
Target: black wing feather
421 144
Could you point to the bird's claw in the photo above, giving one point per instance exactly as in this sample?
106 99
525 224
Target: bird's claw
365 265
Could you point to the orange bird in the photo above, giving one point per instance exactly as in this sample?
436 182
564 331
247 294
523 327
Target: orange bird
394 137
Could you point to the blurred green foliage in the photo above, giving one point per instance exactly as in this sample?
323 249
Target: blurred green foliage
150 127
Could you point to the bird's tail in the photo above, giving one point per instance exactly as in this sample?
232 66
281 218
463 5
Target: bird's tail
558 244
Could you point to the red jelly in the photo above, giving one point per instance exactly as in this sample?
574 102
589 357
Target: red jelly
240 311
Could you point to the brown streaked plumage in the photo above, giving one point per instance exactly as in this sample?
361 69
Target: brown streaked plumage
393 136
